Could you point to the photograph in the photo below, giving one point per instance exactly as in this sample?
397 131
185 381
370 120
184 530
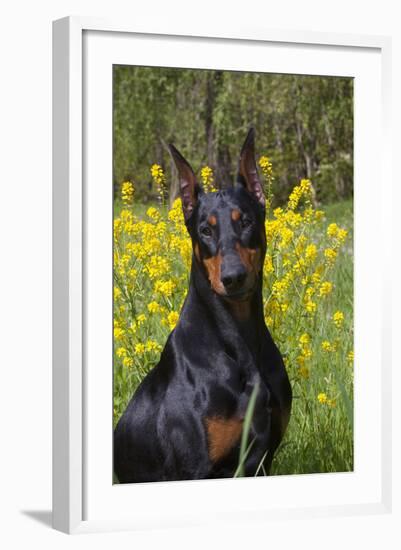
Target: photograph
233 274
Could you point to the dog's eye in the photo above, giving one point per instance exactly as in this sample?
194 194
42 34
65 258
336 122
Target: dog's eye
206 231
245 222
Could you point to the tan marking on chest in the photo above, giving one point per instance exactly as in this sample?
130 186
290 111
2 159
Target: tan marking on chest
235 215
222 434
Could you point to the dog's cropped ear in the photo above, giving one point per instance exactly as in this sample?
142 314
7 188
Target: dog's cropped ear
247 172
189 188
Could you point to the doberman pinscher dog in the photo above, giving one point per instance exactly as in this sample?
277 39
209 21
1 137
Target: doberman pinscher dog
186 418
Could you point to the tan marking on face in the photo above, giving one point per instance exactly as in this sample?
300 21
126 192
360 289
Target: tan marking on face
212 220
222 435
213 268
197 252
235 215
250 257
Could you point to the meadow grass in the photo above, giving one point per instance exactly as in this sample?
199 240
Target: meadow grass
320 438
320 433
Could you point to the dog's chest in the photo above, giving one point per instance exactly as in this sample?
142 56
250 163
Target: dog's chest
231 391
225 419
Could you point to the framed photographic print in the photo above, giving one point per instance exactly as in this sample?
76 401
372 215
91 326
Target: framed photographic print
218 318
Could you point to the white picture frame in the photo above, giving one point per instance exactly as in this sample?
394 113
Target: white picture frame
80 45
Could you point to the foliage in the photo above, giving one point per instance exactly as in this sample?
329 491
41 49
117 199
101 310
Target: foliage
307 303
306 120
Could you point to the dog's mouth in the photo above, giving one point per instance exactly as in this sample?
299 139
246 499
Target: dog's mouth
241 294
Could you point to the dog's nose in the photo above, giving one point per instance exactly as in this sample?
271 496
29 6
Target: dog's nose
233 279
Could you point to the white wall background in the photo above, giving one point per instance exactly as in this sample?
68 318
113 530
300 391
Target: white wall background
25 218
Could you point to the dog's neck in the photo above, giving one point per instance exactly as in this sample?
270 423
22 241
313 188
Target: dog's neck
243 318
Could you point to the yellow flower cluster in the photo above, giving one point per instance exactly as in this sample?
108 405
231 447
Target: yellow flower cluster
127 192
329 346
325 288
266 167
160 181
304 344
301 190
296 268
172 319
165 288
208 180
338 318
267 171
337 232
324 400
152 256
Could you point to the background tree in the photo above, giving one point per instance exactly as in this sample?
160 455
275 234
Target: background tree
303 123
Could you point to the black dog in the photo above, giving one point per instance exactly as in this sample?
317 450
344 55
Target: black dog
185 420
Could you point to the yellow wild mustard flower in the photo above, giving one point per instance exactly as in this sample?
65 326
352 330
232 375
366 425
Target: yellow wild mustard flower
165 288
330 255
325 288
328 346
301 190
208 180
322 398
268 267
160 181
140 319
172 319
332 230
151 345
304 339
175 214
310 306
266 166
316 277
121 352
342 235
267 171
311 252
139 348
157 266
128 362
338 318
127 192
117 228
319 215
153 307
118 333
153 213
